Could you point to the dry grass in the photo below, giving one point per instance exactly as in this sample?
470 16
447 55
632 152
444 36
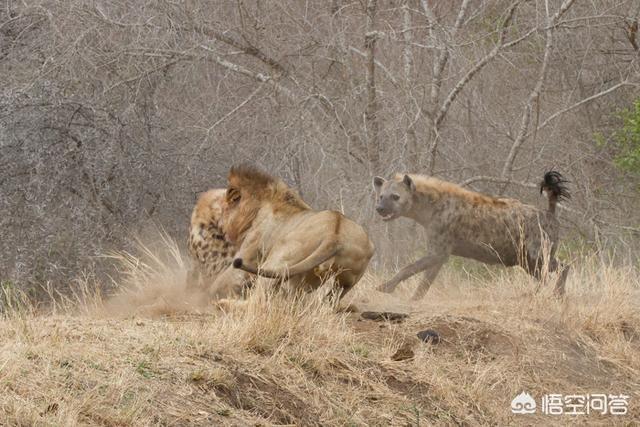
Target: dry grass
157 355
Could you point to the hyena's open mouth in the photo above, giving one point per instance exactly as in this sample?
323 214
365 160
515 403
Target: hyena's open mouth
388 217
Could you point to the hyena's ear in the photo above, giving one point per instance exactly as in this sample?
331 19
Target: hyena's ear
409 183
377 182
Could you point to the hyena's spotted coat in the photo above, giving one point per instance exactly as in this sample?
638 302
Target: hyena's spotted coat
207 244
473 225
211 251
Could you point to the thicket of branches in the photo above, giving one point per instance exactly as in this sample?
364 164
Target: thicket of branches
116 113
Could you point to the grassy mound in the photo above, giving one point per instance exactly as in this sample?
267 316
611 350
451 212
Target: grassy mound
157 355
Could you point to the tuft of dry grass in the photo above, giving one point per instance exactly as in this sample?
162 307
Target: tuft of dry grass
157 354
153 282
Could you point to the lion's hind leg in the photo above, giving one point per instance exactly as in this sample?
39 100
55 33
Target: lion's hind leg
339 284
230 283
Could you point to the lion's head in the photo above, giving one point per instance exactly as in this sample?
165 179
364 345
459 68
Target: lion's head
249 190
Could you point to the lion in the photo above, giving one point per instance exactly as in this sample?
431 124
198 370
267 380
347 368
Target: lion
280 237
473 225
211 252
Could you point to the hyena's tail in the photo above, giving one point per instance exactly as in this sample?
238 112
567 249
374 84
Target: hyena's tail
554 185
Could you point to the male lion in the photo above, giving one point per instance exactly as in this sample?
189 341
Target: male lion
473 225
279 236
211 252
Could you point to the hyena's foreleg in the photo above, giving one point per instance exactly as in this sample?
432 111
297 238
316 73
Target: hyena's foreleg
432 263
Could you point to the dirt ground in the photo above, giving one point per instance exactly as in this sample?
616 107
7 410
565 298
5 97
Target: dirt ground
280 360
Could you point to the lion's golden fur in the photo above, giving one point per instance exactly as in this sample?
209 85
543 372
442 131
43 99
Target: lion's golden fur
280 236
257 187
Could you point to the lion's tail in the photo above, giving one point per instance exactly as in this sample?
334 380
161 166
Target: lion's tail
324 252
554 185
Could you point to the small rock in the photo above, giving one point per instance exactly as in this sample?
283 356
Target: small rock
429 336
380 316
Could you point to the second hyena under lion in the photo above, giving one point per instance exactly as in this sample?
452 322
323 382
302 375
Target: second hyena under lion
473 225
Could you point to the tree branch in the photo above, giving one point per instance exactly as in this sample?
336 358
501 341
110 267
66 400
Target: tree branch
370 115
411 140
580 103
378 64
535 93
247 49
497 180
477 67
438 69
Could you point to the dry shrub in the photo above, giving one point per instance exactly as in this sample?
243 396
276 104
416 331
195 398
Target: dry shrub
278 358
270 320
153 282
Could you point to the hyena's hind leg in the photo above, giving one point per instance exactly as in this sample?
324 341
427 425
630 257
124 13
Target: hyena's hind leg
535 266
555 265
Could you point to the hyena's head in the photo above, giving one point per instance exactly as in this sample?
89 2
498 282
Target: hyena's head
395 197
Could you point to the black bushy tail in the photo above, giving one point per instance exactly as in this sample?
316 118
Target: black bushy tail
554 185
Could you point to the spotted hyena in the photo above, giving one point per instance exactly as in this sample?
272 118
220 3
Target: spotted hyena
473 225
210 250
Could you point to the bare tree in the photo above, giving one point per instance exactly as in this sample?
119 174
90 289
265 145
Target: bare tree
116 114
